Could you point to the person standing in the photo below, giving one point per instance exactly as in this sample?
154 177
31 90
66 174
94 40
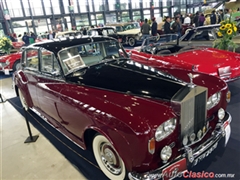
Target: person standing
25 39
154 27
176 27
213 17
145 29
50 35
201 19
187 20
196 19
167 26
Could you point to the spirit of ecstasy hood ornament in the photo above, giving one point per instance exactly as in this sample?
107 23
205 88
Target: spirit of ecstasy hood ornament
191 76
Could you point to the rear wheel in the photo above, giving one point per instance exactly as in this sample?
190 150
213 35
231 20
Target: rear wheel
108 159
131 42
23 100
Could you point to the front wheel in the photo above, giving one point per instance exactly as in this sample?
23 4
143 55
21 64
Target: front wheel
108 159
131 42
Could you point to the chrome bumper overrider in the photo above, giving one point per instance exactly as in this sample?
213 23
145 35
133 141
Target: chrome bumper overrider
193 156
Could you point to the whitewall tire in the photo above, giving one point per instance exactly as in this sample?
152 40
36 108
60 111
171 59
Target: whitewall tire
23 100
108 159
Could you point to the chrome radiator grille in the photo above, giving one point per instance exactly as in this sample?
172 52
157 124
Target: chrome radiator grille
190 103
200 111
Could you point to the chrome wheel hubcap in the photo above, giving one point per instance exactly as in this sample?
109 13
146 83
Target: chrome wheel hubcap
110 159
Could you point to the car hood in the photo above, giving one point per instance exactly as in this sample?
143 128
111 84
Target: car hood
129 77
131 31
207 57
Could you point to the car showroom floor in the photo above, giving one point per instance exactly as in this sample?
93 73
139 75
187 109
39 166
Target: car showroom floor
39 160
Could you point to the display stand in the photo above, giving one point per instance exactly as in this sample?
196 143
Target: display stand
1 99
31 138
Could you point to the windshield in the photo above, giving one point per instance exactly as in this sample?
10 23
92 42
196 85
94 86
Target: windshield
77 57
163 40
127 27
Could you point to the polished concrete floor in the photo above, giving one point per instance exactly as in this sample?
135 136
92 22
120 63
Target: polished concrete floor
18 161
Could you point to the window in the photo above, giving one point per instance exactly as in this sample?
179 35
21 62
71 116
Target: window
77 57
36 7
55 4
49 63
47 6
32 61
15 9
146 3
83 5
99 5
124 4
112 5
135 4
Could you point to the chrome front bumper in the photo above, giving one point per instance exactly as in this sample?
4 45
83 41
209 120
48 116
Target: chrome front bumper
193 156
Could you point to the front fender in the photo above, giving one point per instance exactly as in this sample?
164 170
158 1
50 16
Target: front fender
118 141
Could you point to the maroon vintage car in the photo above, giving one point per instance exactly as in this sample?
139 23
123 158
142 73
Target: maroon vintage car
166 51
139 121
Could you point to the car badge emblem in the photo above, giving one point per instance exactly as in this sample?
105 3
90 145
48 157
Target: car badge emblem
191 76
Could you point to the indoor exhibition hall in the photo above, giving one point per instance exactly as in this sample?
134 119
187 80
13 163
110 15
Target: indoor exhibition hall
119 89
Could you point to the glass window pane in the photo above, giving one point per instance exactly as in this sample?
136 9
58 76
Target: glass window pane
136 15
111 18
47 7
146 3
90 5
135 4
124 4
112 5
83 5
14 8
99 5
56 9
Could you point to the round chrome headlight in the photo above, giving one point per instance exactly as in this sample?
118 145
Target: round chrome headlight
192 137
166 153
213 100
165 129
221 113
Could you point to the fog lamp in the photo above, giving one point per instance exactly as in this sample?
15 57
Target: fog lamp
166 153
199 134
221 113
192 137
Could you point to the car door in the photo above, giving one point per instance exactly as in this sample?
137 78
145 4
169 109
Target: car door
49 85
31 70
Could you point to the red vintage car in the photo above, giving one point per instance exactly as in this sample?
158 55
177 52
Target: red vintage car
166 51
139 121
10 62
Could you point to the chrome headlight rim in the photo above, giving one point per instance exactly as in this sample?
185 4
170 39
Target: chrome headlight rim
213 100
166 153
165 129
